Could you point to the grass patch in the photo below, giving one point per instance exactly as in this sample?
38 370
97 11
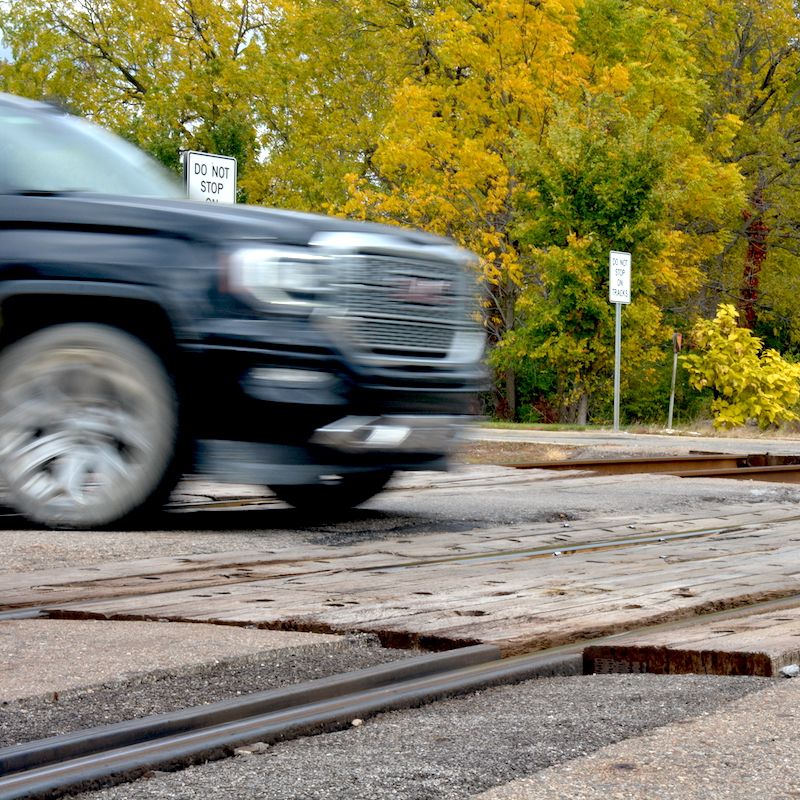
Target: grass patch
699 428
541 426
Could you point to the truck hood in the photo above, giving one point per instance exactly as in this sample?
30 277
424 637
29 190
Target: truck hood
208 222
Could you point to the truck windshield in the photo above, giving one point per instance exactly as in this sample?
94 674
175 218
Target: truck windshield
43 151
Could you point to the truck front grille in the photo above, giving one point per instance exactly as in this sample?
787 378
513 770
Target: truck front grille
399 307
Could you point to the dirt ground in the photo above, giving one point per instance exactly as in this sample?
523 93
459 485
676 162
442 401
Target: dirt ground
501 453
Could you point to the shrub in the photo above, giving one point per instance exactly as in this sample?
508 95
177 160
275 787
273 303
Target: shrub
749 382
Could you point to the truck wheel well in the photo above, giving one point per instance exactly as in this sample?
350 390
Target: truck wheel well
24 314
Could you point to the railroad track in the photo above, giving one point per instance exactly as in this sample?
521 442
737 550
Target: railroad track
124 751
758 467
764 466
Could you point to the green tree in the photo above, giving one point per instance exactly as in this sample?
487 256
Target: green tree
620 168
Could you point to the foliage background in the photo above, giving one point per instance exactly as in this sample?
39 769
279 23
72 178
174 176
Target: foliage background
539 133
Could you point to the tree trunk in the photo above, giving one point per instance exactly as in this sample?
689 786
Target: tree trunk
576 412
509 308
511 393
756 231
583 409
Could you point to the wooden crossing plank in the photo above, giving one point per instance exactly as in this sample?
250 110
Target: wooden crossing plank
519 602
155 575
757 644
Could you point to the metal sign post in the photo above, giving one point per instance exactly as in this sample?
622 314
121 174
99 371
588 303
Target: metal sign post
677 343
619 293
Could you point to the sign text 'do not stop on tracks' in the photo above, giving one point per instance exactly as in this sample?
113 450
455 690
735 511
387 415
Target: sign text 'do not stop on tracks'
619 277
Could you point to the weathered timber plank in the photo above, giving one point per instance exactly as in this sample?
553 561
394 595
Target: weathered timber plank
158 574
758 644
550 601
479 585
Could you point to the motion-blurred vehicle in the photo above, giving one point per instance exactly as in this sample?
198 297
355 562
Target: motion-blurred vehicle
144 336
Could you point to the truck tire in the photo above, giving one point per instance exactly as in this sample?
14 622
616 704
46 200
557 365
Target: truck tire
88 426
350 490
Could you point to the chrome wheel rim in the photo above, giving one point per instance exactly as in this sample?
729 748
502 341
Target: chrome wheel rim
79 430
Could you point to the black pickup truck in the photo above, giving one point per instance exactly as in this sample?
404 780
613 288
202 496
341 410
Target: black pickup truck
144 336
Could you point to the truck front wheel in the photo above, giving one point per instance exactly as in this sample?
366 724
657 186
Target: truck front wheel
338 494
88 426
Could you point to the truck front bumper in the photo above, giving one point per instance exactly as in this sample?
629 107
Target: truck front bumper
408 433
352 444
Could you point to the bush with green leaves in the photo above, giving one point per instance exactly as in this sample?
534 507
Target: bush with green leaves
749 381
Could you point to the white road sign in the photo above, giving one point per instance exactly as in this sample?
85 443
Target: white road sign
619 277
209 177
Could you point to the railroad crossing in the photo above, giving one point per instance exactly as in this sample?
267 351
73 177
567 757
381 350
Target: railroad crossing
641 571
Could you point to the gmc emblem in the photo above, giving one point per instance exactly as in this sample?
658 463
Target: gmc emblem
420 291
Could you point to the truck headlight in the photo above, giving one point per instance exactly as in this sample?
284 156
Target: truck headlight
284 276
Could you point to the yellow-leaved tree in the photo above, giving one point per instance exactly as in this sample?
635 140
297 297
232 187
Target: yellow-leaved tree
478 75
325 85
296 91
167 74
748 54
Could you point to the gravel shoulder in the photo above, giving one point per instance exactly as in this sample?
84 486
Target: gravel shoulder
103 650
745 750
453 749
156 691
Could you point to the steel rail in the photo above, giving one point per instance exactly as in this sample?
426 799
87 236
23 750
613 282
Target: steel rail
568 549
31 612
122 752
558 551
789 473
761 466
616 466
